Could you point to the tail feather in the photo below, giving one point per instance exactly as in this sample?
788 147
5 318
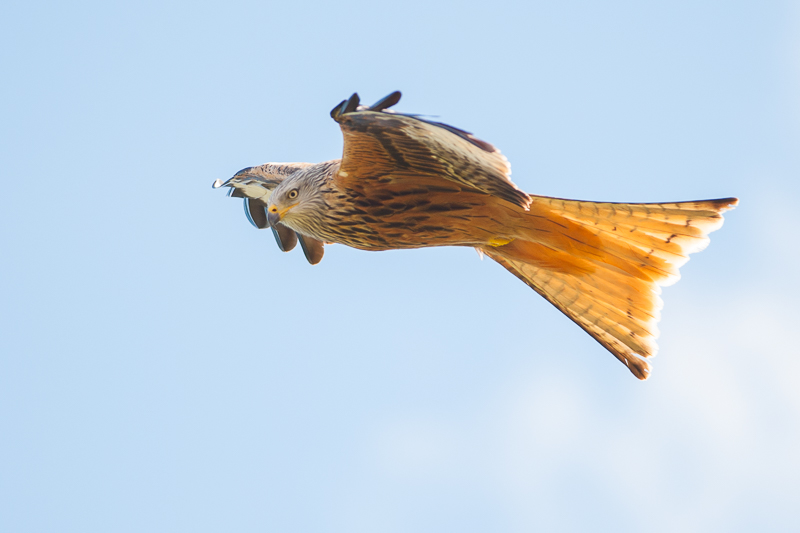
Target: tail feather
635 261
576 299
631 251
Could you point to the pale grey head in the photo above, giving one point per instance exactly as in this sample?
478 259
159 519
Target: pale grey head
299 201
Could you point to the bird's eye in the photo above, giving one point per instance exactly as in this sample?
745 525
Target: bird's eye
292 194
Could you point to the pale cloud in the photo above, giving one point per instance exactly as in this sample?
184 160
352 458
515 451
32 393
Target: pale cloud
715 427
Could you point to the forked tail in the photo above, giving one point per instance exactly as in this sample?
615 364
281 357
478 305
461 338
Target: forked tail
603 264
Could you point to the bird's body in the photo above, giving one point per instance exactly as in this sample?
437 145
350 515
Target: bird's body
404 182
398 217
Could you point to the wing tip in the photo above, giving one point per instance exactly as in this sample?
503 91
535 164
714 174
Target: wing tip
312 249
386 102
285 237
352 104
345 106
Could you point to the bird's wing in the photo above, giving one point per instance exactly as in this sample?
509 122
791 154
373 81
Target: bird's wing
256 213
258 182
255 186
386 148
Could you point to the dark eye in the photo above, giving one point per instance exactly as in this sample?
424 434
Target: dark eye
292 194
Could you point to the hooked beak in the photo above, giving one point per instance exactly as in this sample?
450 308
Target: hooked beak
273 216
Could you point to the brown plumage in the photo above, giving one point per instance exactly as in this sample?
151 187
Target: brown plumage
405 182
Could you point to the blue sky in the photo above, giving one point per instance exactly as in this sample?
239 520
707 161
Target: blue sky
164 367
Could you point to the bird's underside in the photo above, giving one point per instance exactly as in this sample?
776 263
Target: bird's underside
405 182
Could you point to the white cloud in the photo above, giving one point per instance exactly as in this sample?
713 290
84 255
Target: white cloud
715 427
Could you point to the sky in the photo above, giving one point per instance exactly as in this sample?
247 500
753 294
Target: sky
164 367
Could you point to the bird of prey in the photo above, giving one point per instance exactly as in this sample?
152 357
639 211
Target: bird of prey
407 182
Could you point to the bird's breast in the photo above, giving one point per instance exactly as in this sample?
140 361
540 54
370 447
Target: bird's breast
410 218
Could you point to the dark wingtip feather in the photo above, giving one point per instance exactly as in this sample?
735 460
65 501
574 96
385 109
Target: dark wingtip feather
345 106
286 238
337 110
312 248
256 213
352 104
386 102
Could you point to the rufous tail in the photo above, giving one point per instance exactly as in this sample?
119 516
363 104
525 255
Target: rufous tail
603 264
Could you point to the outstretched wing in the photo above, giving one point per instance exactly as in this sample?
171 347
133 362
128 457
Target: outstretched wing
385 148
255 185
259 182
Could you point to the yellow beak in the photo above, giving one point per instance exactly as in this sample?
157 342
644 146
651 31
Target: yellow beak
274 216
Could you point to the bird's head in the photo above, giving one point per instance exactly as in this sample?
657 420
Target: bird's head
295 199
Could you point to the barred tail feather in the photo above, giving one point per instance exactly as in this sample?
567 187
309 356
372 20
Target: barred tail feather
659 236
621 256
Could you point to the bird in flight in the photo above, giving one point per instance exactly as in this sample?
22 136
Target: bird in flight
407 182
